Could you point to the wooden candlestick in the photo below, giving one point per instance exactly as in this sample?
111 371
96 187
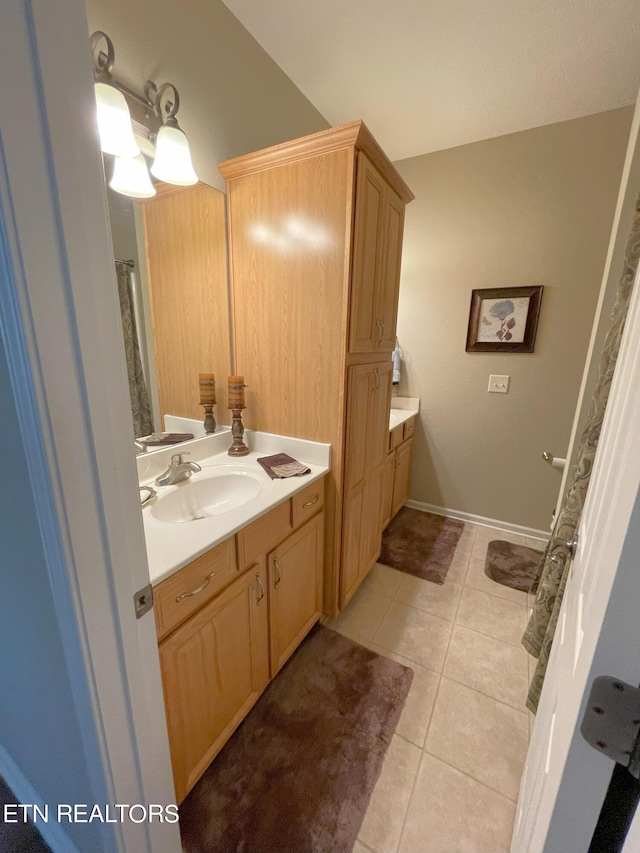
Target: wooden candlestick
236 404
207 383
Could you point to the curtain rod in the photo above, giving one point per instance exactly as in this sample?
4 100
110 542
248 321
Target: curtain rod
126 263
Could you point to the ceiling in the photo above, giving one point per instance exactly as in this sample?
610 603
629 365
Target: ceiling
431 74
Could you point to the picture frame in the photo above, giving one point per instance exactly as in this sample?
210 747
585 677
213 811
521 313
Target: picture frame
504 319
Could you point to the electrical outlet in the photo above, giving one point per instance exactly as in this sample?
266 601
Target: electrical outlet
498 384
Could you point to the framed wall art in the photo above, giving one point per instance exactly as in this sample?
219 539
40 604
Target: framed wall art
504 319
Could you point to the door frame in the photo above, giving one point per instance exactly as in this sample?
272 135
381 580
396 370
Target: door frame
59 319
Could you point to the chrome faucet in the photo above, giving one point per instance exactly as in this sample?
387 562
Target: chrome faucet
139 446
178 470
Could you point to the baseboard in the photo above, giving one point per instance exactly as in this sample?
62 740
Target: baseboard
51 831
506 526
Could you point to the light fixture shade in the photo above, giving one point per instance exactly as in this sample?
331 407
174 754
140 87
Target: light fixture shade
173 158
131 177
114 122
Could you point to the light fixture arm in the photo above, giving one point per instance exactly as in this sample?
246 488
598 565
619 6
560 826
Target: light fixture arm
102 62
165 101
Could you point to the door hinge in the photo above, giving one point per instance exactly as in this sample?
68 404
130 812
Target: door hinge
143 600
611 722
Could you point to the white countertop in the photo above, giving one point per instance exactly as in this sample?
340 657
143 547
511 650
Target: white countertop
171 545
402 410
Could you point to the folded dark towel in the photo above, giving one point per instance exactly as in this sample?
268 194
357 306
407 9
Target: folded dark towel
280 465
159 438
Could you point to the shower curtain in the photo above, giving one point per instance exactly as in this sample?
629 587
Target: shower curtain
554 566
140 406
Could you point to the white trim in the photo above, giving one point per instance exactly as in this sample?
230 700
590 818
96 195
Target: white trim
481 520
24 792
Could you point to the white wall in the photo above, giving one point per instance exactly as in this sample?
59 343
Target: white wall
526 209
38 723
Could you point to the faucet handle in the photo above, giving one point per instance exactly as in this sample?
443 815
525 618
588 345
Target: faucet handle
178 458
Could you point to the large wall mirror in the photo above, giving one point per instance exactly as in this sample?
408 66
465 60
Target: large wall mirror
171 264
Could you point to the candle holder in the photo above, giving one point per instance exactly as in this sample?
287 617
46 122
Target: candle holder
207 383
209 420
236 405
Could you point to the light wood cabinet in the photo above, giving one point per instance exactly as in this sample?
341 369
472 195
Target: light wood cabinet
315 236
295 590
378 230
214 667
219 649
369 392
402 475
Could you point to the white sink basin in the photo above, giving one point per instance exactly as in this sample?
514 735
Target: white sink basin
207 494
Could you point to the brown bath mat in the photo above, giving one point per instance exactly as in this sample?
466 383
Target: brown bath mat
513 565
421 544
297 776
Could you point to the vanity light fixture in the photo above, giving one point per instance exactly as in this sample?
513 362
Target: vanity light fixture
131 177
152 118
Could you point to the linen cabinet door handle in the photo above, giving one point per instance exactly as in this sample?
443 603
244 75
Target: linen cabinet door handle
313 501
381 332
261 585
378 339
277 568
196 591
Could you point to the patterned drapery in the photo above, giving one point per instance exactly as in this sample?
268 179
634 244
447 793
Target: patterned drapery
553 572
140 407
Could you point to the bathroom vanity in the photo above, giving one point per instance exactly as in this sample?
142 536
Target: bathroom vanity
395 490
235 591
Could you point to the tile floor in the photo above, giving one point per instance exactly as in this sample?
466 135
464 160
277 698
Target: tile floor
450 779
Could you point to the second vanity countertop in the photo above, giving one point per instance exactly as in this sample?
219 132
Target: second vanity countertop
402 410
173 544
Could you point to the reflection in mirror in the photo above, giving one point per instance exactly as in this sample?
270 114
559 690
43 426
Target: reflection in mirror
174 299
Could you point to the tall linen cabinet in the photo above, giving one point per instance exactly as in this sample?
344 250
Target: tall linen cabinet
315 237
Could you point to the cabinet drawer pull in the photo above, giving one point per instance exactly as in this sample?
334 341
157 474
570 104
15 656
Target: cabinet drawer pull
260 584
196 591
379 338
381 332
277 567
313 501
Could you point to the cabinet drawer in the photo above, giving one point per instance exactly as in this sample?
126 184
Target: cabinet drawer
177 597
263 535
395 437
409 428
307 503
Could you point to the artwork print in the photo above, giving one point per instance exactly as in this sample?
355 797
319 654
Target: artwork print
504 319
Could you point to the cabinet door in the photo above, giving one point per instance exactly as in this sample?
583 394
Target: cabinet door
367 257
388 283
360 383
402 475
378 406
352 542
214 667
371 521
386 500
295 589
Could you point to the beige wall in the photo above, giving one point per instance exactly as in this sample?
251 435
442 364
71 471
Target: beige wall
234 98
530 208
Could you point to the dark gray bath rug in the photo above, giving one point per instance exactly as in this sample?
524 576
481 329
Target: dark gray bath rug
513 565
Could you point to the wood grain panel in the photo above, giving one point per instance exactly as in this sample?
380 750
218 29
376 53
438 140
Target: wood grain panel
263 534
186 251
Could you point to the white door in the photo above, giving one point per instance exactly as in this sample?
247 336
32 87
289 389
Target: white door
565 780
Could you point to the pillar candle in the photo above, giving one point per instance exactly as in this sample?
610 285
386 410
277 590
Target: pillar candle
236 392
207 382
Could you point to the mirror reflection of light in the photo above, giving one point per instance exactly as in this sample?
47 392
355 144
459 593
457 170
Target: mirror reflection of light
295 232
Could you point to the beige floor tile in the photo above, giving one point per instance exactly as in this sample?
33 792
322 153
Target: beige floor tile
440 600
457 571
382 825
538 544
359 847
465 544
384 580
479 736
496 617
476 579
414 634
362 616
453 813
416 714
479 550
494 668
